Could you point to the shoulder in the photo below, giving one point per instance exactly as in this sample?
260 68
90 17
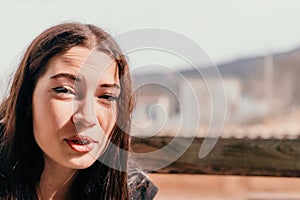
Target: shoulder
140 185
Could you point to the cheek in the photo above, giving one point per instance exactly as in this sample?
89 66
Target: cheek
60 112
50 114
107 118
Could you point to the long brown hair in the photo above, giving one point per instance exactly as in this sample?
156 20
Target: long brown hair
21 160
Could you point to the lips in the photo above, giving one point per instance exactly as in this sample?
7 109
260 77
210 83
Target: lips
81 144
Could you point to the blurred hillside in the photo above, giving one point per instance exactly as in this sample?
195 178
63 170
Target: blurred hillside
261 93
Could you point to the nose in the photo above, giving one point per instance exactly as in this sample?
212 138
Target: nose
84 116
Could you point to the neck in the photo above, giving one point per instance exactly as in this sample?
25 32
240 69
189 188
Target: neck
56 181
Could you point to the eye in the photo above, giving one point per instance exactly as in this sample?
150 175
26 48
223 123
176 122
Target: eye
108 97
63 90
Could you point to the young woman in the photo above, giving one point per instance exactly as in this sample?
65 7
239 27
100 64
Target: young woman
69 102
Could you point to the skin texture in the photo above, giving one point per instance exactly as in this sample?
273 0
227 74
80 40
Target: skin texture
76 96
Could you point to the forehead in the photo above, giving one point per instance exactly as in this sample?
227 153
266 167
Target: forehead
85 63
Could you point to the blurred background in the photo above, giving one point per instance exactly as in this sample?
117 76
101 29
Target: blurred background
255 45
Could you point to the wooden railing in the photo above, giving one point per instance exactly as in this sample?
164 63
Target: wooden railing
251 157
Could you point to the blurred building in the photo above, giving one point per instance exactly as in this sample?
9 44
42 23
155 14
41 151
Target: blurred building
257 89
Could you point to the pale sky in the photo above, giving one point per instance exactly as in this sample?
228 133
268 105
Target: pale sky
227 30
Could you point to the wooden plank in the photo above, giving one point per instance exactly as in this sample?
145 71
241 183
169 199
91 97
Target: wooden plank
253 157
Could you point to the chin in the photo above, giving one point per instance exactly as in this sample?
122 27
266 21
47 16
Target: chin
81 163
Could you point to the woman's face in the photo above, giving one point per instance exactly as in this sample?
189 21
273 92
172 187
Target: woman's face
75 107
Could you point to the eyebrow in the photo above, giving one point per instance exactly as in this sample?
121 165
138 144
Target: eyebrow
65 75
107 85
74 78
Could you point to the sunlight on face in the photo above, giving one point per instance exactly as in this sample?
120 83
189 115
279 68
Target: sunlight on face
75 107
